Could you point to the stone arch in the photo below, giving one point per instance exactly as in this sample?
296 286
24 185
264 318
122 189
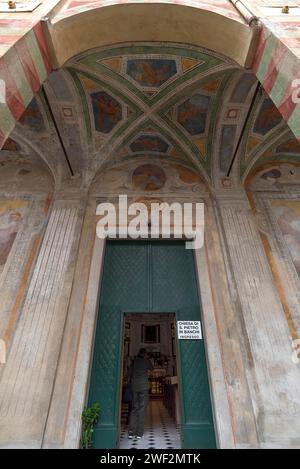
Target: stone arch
212 27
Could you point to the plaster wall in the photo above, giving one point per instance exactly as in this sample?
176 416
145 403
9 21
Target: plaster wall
254 380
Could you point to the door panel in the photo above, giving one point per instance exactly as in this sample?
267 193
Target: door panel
153 277
105 375
197 421
173 277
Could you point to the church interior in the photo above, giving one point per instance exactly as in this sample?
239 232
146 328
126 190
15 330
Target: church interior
155 333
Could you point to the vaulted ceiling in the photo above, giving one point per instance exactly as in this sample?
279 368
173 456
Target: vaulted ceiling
148 100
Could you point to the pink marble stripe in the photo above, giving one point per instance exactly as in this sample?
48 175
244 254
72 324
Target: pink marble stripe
28 65
287 106
274 66
5 39
13 97
259 51
42 45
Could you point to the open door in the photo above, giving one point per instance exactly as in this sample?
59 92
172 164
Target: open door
152 277
156 334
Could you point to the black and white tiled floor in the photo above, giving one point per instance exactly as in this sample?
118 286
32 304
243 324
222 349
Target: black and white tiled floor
161 431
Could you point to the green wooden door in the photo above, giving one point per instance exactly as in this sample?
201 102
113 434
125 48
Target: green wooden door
151 277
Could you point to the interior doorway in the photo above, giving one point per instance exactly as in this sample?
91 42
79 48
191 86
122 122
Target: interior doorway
155 277
156 334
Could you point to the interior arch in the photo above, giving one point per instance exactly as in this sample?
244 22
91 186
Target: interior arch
211 27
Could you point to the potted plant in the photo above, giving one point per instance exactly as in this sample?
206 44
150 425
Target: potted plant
90 416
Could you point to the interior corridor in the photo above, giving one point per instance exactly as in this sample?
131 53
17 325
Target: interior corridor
156 334
161 432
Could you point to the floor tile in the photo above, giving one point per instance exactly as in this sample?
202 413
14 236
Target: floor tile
161 432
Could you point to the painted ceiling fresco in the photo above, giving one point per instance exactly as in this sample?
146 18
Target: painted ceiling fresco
176 103
267 138
151 74
156 181
107 111
149 177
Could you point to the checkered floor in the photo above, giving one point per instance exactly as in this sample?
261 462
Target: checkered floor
160 430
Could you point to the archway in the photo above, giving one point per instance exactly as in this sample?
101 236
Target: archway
187 106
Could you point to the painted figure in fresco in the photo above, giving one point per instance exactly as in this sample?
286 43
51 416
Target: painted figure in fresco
138 377
192 114
107 111
153 77
149 177
151 72
9 226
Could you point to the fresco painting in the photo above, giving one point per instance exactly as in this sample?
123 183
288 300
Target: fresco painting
145 177
291 146
149 177
151 73
268 118
11 145
287 214
107 111
211 86
271 175
243 87
252 143
60 86
114 63
149 143
32 117
187 176
192 114
11 214
187 63
227 146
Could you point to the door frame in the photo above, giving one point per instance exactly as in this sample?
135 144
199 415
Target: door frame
178 366
218 389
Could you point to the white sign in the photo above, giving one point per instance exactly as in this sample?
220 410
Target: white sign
189 330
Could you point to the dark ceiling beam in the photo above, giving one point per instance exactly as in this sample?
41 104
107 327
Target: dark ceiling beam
237 147
57 130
